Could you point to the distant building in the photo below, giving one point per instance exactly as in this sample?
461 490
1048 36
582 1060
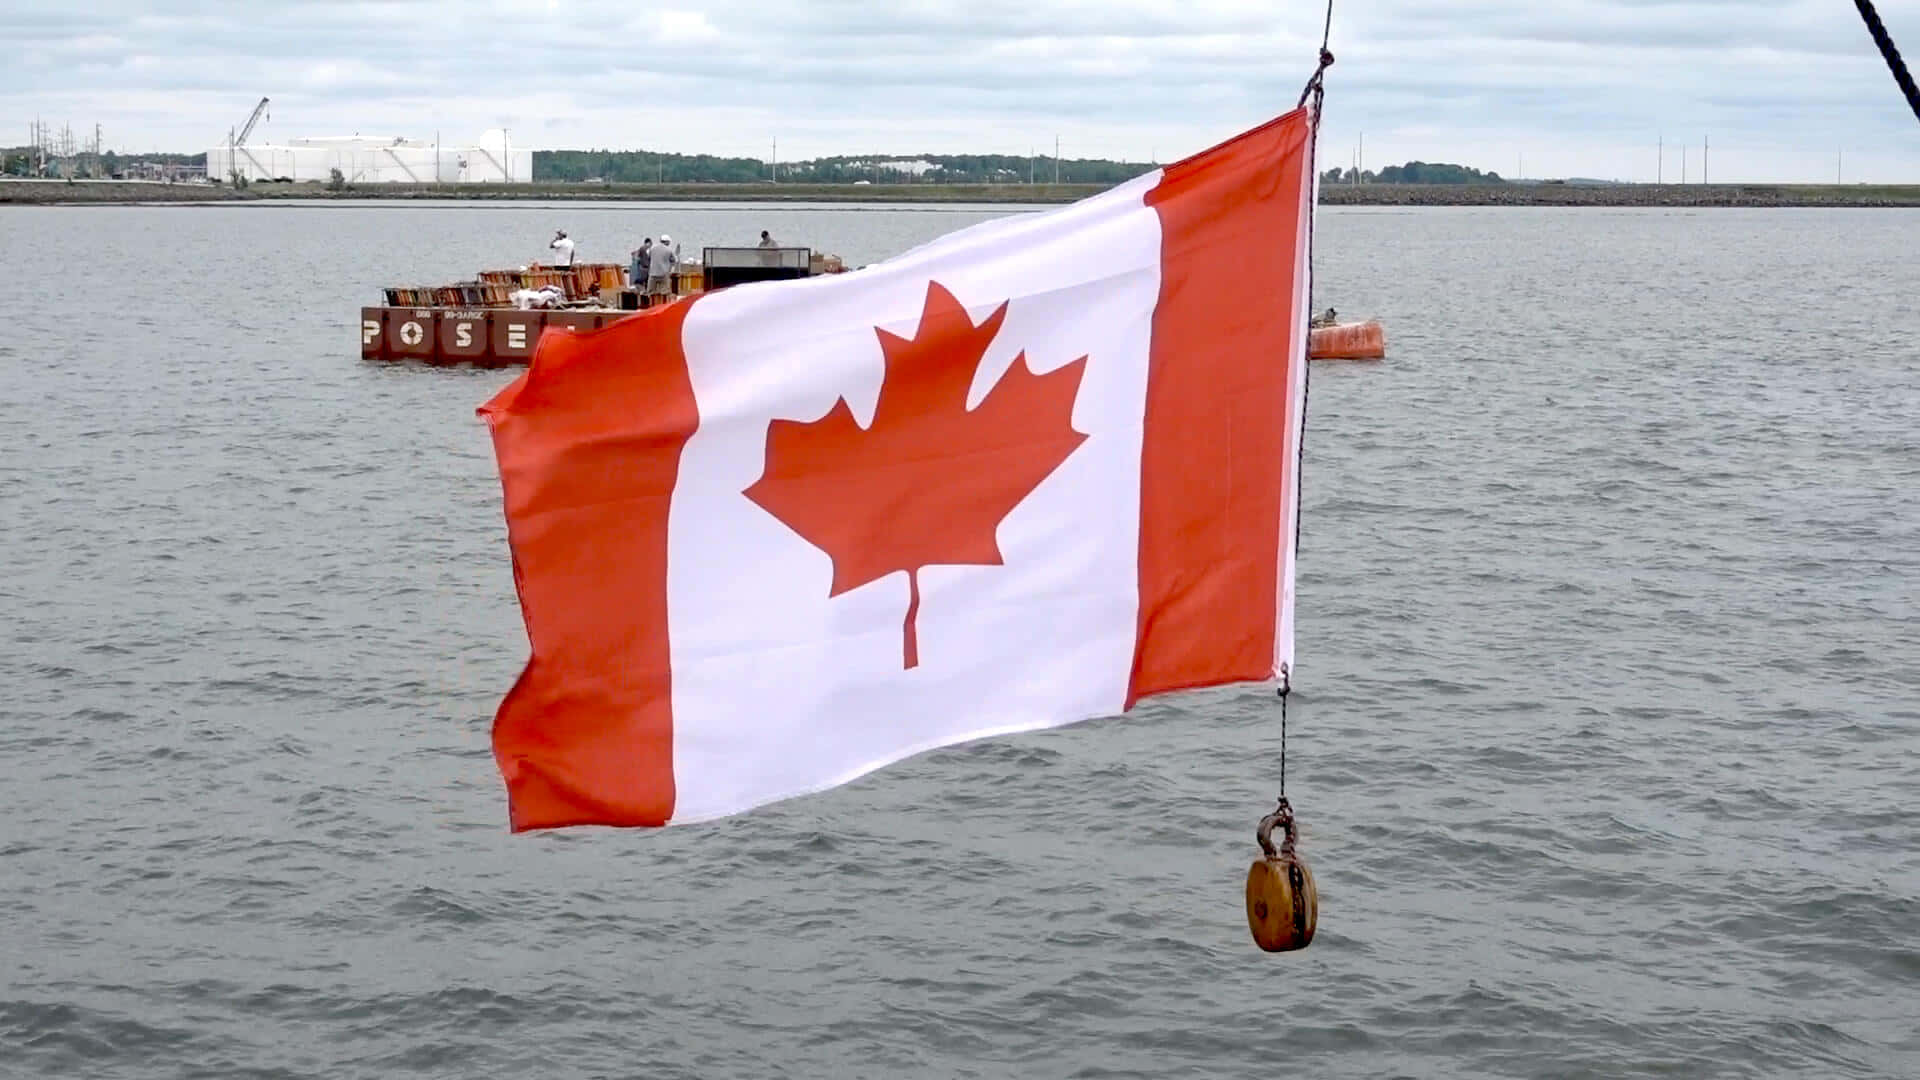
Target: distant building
911 168
376 160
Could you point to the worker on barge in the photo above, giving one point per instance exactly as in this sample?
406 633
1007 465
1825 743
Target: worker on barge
660 267
638 267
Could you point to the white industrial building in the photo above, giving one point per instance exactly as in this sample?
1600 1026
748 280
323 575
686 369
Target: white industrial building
369 160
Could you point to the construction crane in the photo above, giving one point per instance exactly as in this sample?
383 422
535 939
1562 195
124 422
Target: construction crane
258 111
236 143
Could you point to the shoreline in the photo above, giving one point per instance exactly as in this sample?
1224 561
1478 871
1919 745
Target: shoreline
137 193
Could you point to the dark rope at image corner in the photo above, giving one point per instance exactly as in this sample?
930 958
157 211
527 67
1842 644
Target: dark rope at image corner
1892 54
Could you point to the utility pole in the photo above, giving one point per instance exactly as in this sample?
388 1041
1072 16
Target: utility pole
774 165
1361 166
1660 160
1683 165
1704 143
1056 159
1839 156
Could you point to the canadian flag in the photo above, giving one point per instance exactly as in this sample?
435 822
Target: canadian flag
777 536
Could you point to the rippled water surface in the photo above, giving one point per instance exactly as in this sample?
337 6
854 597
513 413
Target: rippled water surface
1607 738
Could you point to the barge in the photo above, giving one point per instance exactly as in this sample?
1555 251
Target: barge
488 323
484 322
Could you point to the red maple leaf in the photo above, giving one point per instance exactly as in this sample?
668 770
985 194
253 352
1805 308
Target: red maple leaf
929 481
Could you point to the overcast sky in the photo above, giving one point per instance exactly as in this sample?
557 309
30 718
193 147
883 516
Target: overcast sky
1555 87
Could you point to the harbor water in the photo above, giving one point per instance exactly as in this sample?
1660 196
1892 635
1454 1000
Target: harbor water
1605 742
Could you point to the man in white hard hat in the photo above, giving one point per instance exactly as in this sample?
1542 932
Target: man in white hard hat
665 256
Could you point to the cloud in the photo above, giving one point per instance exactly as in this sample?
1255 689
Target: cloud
671 28
1577 87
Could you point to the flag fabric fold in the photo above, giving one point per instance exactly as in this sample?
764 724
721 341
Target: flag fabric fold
774 537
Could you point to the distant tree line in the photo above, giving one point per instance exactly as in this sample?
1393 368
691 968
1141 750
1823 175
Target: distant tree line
649 167
1413 172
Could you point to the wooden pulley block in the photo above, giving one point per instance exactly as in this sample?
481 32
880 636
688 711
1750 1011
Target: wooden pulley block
1282 905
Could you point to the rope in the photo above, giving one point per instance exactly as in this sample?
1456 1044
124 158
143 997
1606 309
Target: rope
1283 738
1313 87
1890 53
1316 90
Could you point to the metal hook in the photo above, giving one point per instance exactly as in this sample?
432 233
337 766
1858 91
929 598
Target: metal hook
1282 816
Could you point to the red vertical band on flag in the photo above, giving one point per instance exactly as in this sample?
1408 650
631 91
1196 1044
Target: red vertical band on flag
1214 470
589 445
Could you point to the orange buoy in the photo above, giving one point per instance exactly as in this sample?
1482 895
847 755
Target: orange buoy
1348 341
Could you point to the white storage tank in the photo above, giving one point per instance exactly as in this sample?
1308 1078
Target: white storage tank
376 160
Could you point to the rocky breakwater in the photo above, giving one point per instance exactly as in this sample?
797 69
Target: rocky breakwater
1619 195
